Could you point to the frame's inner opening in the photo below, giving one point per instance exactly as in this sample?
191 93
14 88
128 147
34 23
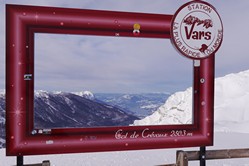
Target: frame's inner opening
93 81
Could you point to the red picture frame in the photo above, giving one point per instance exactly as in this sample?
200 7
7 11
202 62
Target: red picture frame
22 22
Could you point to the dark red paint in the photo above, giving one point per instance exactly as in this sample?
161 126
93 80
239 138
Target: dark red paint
22 22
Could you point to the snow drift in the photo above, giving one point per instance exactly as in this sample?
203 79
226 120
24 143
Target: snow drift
231 105
176 110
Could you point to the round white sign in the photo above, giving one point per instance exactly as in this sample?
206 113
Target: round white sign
196 30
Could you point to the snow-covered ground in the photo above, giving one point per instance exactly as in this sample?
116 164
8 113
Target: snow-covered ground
231 105
231 130
137 158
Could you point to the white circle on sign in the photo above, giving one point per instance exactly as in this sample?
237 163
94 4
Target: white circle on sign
196 30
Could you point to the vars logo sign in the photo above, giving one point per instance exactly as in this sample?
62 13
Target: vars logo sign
196 30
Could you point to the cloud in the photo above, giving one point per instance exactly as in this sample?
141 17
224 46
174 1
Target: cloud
108 63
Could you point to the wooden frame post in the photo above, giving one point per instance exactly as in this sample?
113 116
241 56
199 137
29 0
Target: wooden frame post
182 158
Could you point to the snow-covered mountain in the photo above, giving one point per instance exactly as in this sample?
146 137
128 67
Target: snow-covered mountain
2 118
85 94
59 109
85 109
231 105
140 105
176 110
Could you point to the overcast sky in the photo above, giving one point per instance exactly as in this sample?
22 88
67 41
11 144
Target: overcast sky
109 64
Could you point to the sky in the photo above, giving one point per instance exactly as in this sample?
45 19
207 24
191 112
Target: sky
109 64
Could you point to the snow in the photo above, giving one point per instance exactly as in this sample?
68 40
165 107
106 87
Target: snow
149 106
136 158
231 102
2 120
232 96
44 93
176 110
127 97
2 92
231 105
86 94
231 130
41 93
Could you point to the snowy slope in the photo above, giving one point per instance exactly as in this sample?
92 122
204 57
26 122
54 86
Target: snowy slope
231 105
138 158
176 110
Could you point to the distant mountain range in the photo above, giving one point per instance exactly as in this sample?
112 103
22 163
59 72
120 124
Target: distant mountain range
84 109
140 105
56 110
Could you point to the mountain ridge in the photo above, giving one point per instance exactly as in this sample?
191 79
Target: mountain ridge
231 105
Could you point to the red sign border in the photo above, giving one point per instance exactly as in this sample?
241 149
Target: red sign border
172 36
22 22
